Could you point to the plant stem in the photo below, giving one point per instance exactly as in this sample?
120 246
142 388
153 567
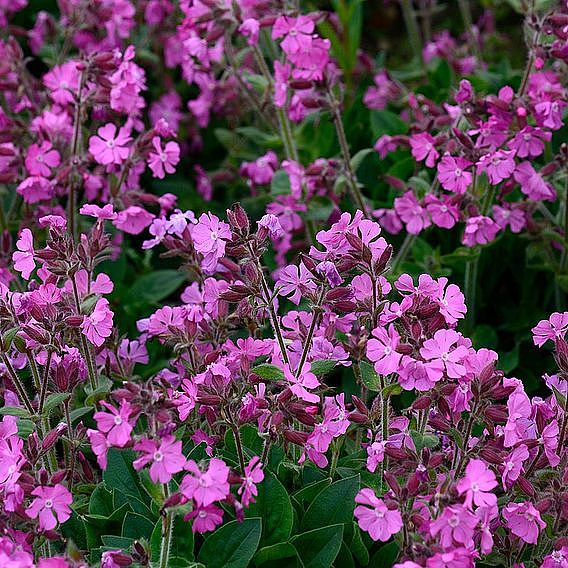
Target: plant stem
403 252
465 11
411 23
22 394
470 289
239 445
167 533
352 184
44 382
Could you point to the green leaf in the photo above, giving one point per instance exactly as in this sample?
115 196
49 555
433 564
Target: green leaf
392 390
120 542
232 546
280 184
323 367
369 377
25 427
137 526
275 552
93 396
156 286
358 548
101 502
319 548
387 122
335 504
274 507
358 158
308 493
54 400
422 441
123 478
385 557
79 412
14 411
509 361
269 372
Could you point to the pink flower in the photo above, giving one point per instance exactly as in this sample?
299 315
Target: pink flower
513 465
250 29
164 160
456 558
529 142
205 519
206 487
293 281
100 446
23 258
35 188
381 349
455 525
553 328
477 484
115 425
41 159
556 559
374 517
415 217
108 147
465 92
166 458
101 213
498 166
511 215
261 171
272 224
423 148
51 504
185 401
97 326
451 302
63 82
549 439
300 384
252 476
479 230
532 184
381 93
281 76
443 212
453 175
524 521
133 220
209 238
297 33
442 356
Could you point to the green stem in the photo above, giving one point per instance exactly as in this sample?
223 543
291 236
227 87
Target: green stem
22 394
402 252
470 290
239 445
411 23
167 533
44 382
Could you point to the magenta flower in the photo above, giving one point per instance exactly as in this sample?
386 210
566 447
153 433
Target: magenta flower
549 439
423 148
374 517
185 401
297 33
281 76
63 82
532 184
442 355
51 504
412 214
443 212
166 458
271 223
209 238
163 160
206 487
23 258
293 280
524 521
453 175
498 166
115 425
529 142
553 328
451 302
261 171
253 475
456 558
133 220
301 385
35 188
465 92
381 349
101 213
250 29
455 525
41 159
477 484
479 230
510 215
109 147
513 465
100 446
97 326
556 559
205 519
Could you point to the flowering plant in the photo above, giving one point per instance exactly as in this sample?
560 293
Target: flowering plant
248 366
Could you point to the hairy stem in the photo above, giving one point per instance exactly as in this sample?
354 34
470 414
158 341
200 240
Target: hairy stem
22 394
167 533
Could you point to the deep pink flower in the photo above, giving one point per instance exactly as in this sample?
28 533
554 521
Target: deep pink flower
100 446
205 519
498 166
455 525
529 142
451 301
511 215
101 213
532 184
524 521
442 211
23 258
456 558
465 92
261 171
63 82
556 559
477 484
423 148
513 465
301 385
206 487
165 456
374 517
51 504
453 175
109 147
163 160
253 475
442 356
414 216
292 280
250 29
97 326
209 238
281 76
479 230
272 224
35 188
297 33
381 349
553 328
185 401
41 159
116 425
133 220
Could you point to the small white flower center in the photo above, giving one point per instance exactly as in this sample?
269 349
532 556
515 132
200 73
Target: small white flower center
118 420
48 504
158 456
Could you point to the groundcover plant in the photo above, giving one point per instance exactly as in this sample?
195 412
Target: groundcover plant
283 284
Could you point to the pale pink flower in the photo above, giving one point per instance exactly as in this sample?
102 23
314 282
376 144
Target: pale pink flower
374 517
381 349
23 258
51 504
133 220
301 384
